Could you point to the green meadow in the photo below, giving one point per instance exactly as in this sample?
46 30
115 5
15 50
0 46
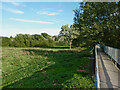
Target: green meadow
46 68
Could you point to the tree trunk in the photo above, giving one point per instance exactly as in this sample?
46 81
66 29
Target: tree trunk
70 43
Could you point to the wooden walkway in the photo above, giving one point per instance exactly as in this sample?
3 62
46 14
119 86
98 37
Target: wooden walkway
109 75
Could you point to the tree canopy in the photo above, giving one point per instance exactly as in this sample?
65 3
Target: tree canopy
69 33
98 22
36 40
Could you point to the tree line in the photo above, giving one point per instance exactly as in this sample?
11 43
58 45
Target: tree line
36 40
98 22
94 22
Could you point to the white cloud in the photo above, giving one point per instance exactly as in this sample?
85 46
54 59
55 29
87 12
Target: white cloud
18 4
19 12
49 13
14 11
60 10
15 3
53 13
30 21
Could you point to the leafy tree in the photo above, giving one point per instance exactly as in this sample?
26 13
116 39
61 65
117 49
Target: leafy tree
5 41
36 40
98 22
0 41
45 35
55 38
69 33
19 40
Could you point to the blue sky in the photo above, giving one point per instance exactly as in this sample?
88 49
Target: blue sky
36 17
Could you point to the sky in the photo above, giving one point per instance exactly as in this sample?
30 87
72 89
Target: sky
36 17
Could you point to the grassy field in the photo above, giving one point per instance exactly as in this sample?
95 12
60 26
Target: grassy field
45 68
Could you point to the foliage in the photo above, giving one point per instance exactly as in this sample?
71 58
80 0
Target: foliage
98 22
5 41
45 68
69 33
78 81
36 40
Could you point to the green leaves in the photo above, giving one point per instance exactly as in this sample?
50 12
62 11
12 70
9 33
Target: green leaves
78 81
98 21
26 40
69 33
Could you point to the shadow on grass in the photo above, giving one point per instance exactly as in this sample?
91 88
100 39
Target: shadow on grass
66 64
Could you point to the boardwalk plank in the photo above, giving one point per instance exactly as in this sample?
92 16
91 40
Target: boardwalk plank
109 74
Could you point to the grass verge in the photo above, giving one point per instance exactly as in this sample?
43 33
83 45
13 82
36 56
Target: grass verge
45 68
